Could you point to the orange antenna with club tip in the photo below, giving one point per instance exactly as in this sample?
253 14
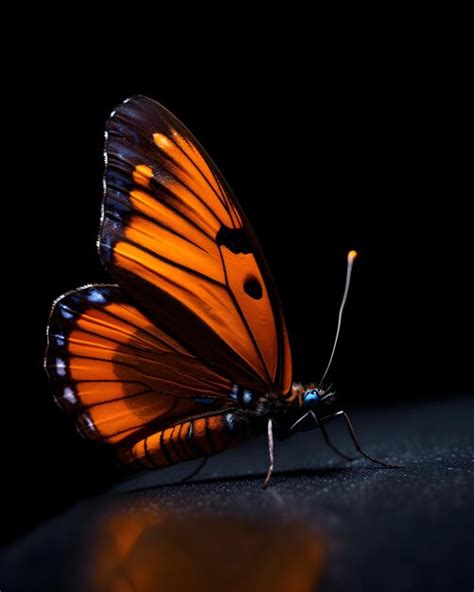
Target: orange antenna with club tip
351 255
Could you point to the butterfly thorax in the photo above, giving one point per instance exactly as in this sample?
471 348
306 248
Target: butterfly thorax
256 404
257 408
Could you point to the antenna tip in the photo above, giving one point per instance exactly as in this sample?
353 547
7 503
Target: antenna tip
351 255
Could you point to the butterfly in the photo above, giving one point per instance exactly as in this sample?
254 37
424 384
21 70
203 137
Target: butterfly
187 354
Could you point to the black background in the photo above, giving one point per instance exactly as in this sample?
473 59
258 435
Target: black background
366 151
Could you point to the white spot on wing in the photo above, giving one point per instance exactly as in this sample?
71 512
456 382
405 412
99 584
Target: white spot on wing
60 367
66 313
95 296
89 422
60 340
68 395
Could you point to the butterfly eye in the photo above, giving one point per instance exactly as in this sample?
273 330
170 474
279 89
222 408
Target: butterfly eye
311 397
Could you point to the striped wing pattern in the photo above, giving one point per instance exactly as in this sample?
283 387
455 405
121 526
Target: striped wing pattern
126 380
177 242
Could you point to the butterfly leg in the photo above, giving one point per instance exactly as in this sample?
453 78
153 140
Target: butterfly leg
323 431
326 437
353 435
196 471
270 453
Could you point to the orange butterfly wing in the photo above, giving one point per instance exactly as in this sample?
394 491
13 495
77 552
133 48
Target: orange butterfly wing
179 245
123 378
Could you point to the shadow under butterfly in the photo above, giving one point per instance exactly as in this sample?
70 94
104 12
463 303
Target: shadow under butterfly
147 550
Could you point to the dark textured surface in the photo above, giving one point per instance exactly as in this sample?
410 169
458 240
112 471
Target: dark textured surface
401 529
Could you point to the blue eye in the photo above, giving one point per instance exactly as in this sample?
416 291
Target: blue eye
311 397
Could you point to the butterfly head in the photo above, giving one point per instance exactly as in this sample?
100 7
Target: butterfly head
314 398
305 399
310 396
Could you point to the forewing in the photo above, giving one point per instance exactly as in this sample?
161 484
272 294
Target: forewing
177 242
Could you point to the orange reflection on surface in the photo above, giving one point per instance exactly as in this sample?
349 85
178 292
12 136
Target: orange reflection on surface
147 552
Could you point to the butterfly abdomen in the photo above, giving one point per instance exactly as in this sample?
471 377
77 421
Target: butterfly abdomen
194 438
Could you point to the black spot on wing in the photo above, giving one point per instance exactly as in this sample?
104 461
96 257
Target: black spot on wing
235 239
253 287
